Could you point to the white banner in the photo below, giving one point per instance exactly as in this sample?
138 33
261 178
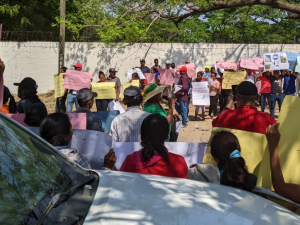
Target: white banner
200 93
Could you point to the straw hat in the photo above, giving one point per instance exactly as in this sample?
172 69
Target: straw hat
151 90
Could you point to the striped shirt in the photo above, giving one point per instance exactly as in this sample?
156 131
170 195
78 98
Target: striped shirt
126 127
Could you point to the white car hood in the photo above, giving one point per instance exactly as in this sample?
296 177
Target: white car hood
128 198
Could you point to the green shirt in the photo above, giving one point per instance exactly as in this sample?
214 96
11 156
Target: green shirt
152 108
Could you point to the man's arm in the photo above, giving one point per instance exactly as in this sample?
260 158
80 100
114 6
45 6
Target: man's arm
288 190
170 110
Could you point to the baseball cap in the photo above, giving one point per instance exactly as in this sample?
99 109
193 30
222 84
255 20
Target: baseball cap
168 62
187 61
27 82
142 60
246 88
132 92
183 68
85 94
112 70
78 65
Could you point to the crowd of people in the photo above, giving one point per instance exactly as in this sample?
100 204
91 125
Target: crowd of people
147 122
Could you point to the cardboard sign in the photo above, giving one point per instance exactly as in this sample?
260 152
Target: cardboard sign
166 77
76 80
232 78
150 78
58 85
191 71
228 65
252 63
105 90
200 93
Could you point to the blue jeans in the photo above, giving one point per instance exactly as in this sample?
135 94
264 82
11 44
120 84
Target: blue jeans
274 98
182 110
263 100
71 100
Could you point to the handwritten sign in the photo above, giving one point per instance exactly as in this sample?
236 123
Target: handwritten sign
166 77
76 80
135 83
232 78
105 90
252 63
93 145
276 61
58 85
200 93
297 69
192 152
228 65
78 120
288 147
150 78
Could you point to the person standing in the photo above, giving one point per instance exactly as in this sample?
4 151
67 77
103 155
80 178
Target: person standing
207 72
182 96
112 78
289 86
102 104
61 101
265 90
173 65
156 64
214 96
143 67
200 79
252 77
71 98
126 126
276 91
169 87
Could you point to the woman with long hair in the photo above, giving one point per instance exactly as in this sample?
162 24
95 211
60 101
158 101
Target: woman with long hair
11 107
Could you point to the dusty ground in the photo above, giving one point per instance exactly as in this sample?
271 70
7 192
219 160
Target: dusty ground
188 134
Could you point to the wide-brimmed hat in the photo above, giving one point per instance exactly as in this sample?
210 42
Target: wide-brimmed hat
151 90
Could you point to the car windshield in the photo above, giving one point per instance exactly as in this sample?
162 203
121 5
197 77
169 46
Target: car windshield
29 175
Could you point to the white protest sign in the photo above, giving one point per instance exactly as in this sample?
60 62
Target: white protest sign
200 93
276 61
176 80
191 152
93 145
177 88
129 73
115 105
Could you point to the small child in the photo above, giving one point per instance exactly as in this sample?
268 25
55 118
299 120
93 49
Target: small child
200 79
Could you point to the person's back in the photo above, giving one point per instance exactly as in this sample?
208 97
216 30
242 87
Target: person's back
154 158
34 115
246 117
126 127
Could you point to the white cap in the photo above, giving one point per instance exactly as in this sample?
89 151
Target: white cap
168 62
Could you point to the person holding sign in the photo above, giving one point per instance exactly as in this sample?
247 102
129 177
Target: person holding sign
200 79
265 89
207 72
252 77
246 117
102 104
86 100
289 86
157 74
61 101
214 91
113 78
276 91
156 64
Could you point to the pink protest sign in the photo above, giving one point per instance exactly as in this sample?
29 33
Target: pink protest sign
166 77
252 63
150 77
228 65
191 70
76 80
78 120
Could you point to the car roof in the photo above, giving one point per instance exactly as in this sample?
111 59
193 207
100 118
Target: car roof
128 198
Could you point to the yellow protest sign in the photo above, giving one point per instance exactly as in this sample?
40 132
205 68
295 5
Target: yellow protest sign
58 85
105 90
135 83
252 145
288 148
232 78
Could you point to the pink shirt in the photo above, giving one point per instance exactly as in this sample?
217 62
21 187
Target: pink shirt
212 91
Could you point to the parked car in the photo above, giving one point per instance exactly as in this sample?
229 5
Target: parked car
39 185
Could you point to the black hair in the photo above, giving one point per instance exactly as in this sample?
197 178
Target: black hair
212 68
12 107
101 73
154 132
136 76
213 73
82 103
155 70
30 93
35 114
235 174
64 68
54 127
131 101
155 60
200 72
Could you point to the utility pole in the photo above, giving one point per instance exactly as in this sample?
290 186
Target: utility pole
62 34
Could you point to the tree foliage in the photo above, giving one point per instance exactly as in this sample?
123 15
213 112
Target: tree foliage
127 21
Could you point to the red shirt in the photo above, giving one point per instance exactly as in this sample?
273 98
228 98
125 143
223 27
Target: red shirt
176 167
5 109
265 85
245 118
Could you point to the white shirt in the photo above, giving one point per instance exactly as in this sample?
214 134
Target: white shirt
126 127
252 78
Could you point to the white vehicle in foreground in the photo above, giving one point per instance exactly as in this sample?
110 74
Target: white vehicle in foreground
38 185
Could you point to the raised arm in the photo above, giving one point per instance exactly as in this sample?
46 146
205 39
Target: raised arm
288 190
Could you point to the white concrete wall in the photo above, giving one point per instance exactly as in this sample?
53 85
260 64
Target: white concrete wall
39 60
